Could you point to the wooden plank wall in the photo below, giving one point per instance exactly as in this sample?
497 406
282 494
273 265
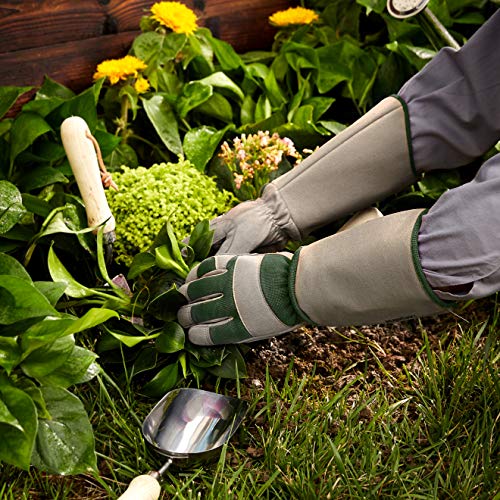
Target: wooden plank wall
66 39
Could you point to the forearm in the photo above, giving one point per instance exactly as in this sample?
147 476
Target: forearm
454 102
459 240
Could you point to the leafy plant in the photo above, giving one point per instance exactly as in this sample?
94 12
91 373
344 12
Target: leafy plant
149 196
42 423
145 344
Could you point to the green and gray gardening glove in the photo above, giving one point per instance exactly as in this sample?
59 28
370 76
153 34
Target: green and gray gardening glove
363 164
369 273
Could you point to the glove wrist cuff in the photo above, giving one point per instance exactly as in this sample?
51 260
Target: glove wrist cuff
279 212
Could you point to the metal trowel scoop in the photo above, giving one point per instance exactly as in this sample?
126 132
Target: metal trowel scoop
187 426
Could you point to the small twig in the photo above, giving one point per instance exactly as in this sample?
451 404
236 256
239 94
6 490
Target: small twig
105 175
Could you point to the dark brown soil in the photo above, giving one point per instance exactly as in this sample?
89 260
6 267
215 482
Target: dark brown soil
337 355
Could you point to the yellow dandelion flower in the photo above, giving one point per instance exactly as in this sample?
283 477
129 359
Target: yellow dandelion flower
176 16
141 85
119 69
293 15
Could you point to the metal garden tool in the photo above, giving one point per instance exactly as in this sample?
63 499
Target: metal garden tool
88 168
432 27
187 426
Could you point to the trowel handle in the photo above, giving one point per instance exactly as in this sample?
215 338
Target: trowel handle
143 487
82 157
361 217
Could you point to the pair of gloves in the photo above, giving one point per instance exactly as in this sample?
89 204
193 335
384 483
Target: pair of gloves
366 274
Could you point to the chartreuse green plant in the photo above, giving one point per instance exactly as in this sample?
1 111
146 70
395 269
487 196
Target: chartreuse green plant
147 197
41 421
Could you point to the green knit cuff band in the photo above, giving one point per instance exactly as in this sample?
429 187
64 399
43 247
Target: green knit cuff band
408 134
418 266
291 286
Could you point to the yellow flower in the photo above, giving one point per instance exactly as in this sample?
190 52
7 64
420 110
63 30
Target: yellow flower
119 69
293 15
141 85
176 16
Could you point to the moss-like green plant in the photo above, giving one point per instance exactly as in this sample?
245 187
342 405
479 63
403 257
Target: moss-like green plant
148 197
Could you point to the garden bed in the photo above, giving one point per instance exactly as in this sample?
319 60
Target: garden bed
89 339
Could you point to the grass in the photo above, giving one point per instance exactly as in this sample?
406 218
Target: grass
430 433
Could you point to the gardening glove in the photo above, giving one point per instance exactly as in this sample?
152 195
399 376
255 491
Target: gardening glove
367 274
363 164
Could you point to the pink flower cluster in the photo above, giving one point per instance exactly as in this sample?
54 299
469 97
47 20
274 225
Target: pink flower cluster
253 157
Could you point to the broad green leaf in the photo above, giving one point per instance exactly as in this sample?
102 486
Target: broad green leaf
78 368
377 6
164 305
165 260
171 338
9 95
11 206
51 329
59 273
218 107
247 112
10 353
145 361
47 358
193 94
26 128
29 387
20 300
201 239
123 154
36 205
164 122
225 54
156 49
233 365
52 291
107 142
165 380
131 341
332 126
65 443
48 97
11 266
263 108
221 80
273 90
40 177
16 445
200 144
417 56
142 262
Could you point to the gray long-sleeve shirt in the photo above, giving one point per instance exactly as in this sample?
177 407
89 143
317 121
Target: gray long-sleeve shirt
454 110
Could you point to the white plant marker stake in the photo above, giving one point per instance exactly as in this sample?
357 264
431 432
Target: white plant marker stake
81 153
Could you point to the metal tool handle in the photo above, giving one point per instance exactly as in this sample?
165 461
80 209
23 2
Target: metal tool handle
82 157
143 487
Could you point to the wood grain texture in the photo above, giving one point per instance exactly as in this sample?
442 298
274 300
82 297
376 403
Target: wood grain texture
66 39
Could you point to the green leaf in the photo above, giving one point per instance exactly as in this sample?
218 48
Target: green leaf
225 54
40 177
11 266
165 260
47 358
51 329
164 121
123 154
142 262
164 305
233 365
9 95
165 380
52 291
49 97
79 367
59 273
200 144
201 239
11 206
218 107
18 440
65 443
221 80
193 94
20 300
10 354
171 338
26 128
130 340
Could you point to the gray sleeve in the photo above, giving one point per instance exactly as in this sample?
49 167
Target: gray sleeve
459 239
454 102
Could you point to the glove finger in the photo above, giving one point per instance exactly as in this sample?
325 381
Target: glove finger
210 310
211 284
201 334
